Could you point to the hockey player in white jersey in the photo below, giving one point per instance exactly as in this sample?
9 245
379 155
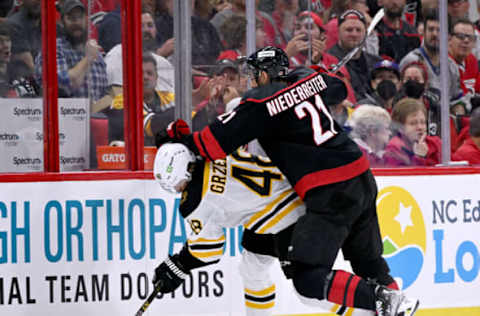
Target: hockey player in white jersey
242 189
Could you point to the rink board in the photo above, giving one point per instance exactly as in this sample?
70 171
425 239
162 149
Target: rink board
89 248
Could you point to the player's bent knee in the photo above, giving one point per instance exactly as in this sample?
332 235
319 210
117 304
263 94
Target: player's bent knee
373 269
311 282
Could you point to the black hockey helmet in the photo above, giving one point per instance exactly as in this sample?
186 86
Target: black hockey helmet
272 60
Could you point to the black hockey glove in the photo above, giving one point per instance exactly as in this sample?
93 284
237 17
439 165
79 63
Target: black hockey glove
171 274
175 131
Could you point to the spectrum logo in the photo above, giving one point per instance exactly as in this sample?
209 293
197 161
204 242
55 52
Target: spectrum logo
403 234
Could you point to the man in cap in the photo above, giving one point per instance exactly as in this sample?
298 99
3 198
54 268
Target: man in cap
223 87
351 32
385 82
309 39
80 67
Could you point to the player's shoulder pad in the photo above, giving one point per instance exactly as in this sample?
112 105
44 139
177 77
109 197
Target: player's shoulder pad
299 73
192 195
336 91
260 93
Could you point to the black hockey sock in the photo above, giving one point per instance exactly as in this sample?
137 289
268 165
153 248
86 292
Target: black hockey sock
350 290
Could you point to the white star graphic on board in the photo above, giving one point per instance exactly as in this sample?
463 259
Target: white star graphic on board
404 217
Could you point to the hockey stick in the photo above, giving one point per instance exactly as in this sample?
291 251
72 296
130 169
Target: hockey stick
149 299
377 18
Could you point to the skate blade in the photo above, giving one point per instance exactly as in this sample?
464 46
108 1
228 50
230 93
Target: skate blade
408 307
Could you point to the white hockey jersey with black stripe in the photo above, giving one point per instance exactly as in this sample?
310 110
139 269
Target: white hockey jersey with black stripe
240 190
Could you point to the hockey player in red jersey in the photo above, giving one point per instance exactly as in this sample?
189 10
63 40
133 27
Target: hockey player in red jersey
288 114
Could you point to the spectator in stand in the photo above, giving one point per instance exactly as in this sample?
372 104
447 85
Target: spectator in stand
460 44
371 44
223 87
6 89
384 84
272 34
331 27
149 31
26 33
459 121
477 22
371 131
164 68
81 69
414 84
412 13
396 36
308 38
309 34
428 54
16 78
158 106
284 16
470 150
458 8
114 61
351 31
206 9
234 34
410 145
205 40
110 30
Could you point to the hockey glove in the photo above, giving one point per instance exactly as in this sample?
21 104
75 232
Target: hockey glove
175 131
170 274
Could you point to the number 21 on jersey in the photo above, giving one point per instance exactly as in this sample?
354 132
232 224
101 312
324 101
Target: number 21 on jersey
307 108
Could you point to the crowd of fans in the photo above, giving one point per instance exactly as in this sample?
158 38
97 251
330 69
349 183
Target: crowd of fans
393 103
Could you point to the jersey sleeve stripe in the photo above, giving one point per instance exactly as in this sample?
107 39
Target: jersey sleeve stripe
334 175
277 209
265 210
207 254
293 205
199 144
199 247
210 144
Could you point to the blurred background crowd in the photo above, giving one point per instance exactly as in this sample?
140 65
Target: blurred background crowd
393 104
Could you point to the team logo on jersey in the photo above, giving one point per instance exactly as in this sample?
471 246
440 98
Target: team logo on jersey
403 234
196 225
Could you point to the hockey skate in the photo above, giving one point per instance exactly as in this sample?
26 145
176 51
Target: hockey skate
394 303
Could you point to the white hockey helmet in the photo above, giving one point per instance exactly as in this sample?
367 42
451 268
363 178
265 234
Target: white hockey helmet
171 166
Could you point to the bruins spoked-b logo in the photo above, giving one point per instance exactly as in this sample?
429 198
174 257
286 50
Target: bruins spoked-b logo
196 225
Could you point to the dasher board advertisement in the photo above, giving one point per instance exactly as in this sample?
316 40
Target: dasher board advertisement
90 248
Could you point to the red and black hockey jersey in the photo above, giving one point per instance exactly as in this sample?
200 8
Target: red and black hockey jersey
295 128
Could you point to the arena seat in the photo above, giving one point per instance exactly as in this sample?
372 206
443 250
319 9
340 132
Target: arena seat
99 129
